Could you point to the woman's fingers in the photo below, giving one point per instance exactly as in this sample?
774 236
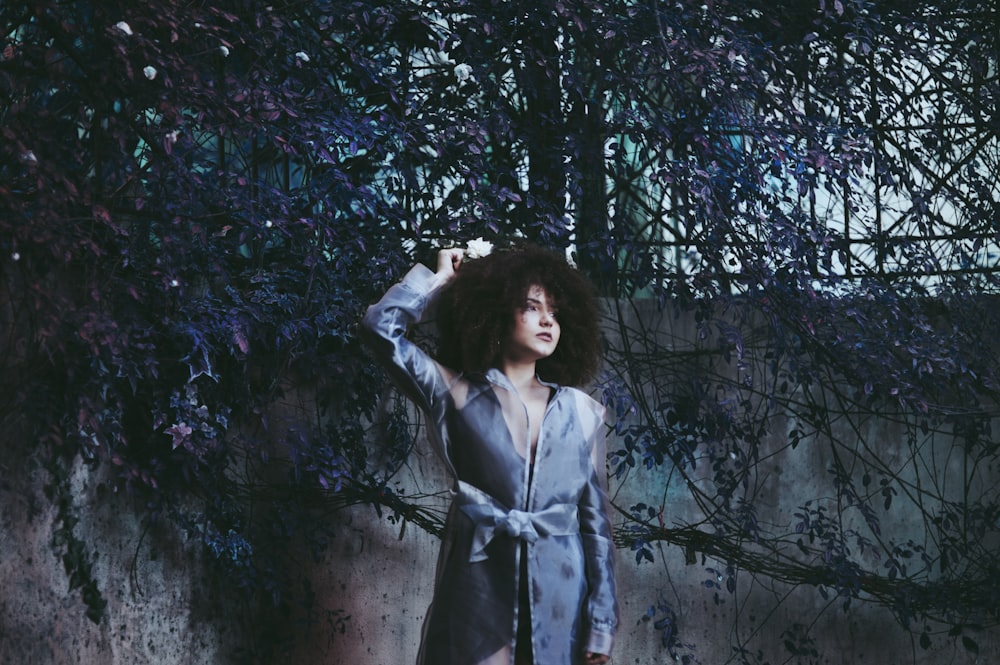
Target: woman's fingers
449 260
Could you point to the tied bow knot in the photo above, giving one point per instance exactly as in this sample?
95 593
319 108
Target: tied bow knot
491 517
517 524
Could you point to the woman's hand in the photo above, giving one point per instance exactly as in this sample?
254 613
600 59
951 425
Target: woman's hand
449 261
592 658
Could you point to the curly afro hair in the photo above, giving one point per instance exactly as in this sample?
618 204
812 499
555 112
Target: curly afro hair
476 313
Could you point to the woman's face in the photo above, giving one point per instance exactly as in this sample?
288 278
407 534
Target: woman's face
535 333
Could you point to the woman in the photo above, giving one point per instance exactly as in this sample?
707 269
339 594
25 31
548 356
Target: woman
525 573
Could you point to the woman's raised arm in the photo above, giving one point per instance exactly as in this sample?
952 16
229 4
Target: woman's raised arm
385 324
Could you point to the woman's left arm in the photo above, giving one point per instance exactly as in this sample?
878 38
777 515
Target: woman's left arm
598 547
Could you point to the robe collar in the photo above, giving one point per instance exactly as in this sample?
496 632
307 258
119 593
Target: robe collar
494 375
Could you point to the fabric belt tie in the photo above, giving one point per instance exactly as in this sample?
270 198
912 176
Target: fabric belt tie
490 517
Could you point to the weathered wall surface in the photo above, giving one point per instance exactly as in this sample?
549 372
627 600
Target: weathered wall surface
375 584
159 611
389 584
163 612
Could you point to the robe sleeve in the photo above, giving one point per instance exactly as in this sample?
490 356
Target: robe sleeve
384 328
598 547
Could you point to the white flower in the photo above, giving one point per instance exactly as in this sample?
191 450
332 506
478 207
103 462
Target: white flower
463 72
124 28
28 158
302 56
478 248
16 256
174 283
172 137
224 50
268 224
149 71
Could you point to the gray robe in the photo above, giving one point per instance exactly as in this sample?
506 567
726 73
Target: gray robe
554 510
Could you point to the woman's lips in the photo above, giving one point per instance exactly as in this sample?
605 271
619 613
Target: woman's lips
546 336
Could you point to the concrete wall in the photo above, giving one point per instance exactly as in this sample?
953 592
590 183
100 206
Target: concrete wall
377 580
161 610
390 582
